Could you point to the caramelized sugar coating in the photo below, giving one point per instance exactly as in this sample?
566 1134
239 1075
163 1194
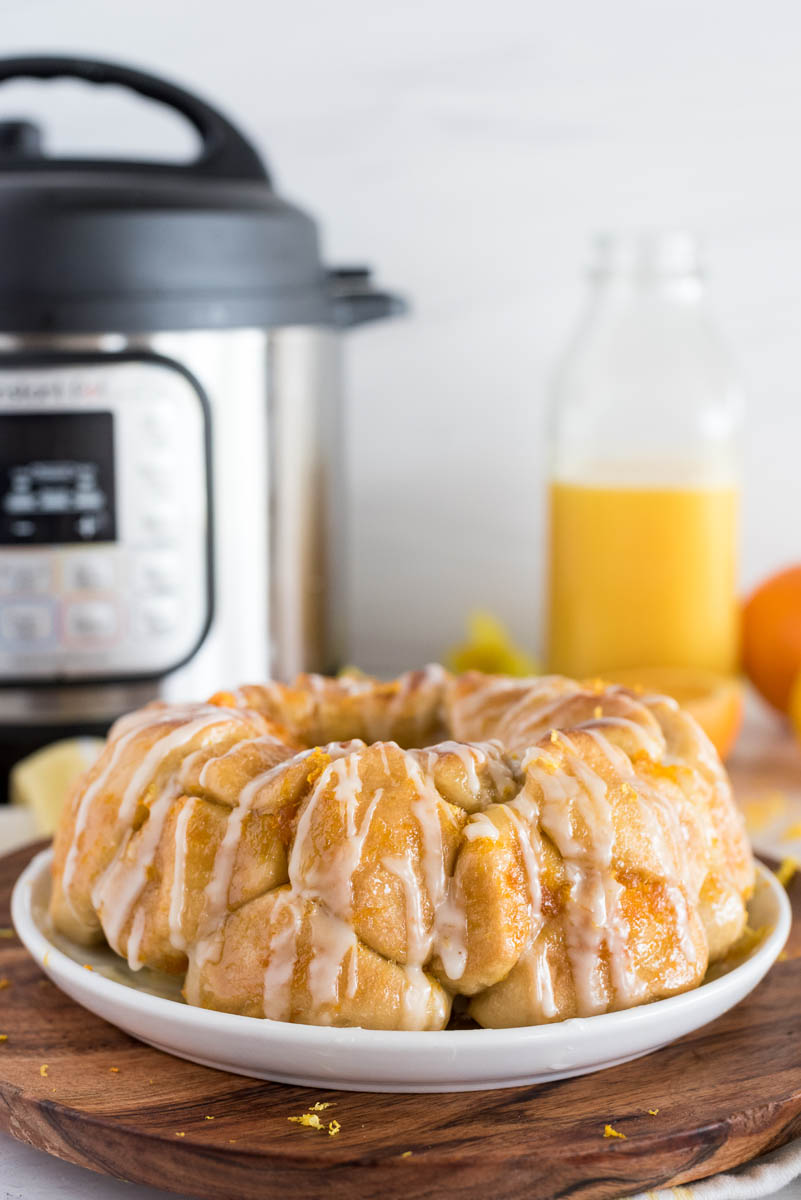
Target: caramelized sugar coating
351 852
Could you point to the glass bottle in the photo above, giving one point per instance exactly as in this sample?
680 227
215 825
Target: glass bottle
644 474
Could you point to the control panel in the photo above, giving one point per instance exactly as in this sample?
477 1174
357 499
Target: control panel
105 523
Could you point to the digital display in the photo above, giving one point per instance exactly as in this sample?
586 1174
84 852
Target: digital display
57 478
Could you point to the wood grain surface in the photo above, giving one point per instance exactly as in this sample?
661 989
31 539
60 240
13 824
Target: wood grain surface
725 1093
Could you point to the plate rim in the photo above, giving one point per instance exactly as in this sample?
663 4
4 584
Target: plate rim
44 952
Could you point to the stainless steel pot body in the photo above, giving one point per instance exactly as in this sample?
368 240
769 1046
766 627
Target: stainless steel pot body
241 461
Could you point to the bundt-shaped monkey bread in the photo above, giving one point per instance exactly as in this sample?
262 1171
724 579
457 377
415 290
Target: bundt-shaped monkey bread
352 852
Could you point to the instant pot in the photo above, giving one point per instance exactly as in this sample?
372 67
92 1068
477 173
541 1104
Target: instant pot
171 458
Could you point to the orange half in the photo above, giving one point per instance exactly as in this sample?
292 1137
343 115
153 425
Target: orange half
715 700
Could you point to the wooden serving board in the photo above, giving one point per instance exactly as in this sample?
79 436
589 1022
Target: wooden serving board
725 1094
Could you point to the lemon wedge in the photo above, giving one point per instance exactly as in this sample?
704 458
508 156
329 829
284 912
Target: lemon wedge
489 647
42 781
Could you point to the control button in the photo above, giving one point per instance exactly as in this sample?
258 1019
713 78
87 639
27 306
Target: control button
158 424
26 622
90 572
29 577
22 528
159 524
157 478
157 617
156 573
91 619
20 502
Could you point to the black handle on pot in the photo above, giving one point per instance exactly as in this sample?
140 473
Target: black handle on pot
225 153
356 301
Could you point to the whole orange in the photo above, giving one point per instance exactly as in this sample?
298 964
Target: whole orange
772 636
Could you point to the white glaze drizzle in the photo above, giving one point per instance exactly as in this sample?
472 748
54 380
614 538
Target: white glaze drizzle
332 943
218 887
648 739
416 997
419 935
470 756
529 718
120 885
178 889
285 922
426 806
541 979
504 772
524 815
135 939
122 734
657 813
451 931
329 875
156 755
479 825
576 814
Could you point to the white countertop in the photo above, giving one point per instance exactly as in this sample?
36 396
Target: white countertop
28 1174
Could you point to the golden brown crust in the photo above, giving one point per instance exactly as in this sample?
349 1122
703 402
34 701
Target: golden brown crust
562 849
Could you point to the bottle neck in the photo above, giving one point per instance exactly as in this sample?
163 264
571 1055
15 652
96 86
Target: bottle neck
649 267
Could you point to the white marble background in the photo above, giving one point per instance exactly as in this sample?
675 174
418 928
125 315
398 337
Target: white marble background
467 150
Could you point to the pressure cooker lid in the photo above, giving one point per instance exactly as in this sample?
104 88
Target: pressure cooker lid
116 245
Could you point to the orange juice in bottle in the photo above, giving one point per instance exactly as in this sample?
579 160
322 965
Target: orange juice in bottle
643 498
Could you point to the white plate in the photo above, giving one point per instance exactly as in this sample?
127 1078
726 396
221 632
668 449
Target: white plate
369 1059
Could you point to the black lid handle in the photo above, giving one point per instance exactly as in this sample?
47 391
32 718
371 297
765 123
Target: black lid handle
225 153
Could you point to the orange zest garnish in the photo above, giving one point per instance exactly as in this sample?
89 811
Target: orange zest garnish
318 760
546 763
310 1120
